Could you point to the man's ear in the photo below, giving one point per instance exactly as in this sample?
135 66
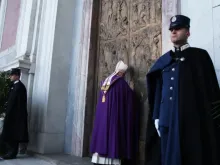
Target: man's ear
188 33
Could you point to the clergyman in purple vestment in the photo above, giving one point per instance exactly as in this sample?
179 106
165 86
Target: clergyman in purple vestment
113 136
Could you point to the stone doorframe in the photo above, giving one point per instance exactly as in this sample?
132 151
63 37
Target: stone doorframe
83 101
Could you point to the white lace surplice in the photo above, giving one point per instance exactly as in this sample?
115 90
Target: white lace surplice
102 160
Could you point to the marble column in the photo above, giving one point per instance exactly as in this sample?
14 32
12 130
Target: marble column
81 82
50 86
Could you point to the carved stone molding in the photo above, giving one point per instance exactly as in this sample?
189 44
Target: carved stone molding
145 47
144 13
110 54
26 28
114 19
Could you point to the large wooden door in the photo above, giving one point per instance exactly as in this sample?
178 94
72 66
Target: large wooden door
130 30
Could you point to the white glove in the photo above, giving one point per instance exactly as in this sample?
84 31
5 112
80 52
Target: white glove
156 123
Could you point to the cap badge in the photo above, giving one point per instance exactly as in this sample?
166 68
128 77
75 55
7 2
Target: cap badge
173 19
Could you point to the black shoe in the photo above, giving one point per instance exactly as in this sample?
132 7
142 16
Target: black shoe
23 151
9 156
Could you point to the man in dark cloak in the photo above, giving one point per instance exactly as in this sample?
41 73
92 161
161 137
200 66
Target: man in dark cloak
182 87
15 128
114 136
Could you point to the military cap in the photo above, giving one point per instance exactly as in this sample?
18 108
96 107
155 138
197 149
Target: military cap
179 21
15 71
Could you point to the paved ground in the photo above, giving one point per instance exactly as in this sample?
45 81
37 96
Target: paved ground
25 161
62 159
47 160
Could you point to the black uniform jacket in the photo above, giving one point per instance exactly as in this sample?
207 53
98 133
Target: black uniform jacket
15 126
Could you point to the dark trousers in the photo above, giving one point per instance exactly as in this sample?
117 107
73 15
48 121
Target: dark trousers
12 148
164 138
2 147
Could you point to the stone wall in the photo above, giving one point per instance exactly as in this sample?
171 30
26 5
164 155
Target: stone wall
130 30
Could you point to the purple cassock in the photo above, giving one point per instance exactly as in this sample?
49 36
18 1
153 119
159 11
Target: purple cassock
115 131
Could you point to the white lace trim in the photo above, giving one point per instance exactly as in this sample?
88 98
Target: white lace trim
102 160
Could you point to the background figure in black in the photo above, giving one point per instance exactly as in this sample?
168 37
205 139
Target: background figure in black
15 129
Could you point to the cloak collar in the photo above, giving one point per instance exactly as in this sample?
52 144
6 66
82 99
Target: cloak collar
16 81
161 63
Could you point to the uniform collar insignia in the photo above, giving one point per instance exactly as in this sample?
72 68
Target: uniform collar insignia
16 82
182 48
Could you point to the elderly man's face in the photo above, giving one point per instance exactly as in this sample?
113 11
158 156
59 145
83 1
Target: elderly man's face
121 74
179 35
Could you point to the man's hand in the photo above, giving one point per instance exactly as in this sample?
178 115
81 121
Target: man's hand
132 85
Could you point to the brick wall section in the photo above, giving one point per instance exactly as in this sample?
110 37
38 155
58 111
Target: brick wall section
11 24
